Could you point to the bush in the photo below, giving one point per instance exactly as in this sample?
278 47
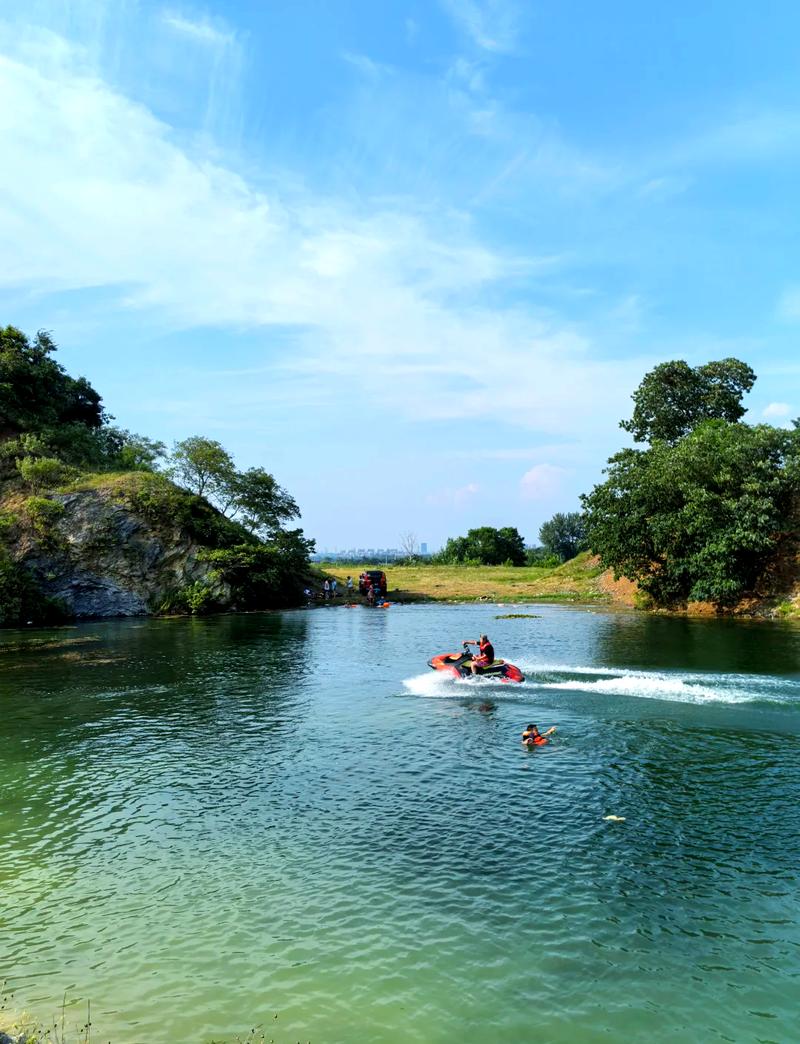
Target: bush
264 576
41 473
44 514
195 599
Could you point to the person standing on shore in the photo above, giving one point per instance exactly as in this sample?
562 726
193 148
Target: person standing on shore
326 588
334 585
349 586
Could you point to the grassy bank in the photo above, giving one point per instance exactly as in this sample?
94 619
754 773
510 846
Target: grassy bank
580 580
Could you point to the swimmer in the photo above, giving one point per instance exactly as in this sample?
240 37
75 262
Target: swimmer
531 737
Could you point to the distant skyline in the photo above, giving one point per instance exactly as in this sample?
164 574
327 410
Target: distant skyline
412 258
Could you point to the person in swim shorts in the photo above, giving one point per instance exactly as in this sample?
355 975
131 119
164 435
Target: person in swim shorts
486 654
531 737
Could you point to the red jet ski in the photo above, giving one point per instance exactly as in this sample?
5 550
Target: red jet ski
458 665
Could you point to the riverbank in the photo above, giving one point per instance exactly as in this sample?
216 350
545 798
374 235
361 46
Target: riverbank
579 581
582 580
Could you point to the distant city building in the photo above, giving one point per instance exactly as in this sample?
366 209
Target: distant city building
423 549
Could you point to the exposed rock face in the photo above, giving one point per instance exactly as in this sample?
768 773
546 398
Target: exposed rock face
102 559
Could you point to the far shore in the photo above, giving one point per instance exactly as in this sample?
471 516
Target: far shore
581 581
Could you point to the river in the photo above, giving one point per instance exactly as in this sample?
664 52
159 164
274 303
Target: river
288 821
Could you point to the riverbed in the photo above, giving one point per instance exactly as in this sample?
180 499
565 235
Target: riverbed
287 821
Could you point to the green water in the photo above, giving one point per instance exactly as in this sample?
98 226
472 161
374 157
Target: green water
208 823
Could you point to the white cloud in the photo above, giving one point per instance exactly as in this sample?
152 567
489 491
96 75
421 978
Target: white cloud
542 482
492 24
201 30
364 64
384 299
777 409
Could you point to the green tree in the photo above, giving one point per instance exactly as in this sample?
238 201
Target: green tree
261 504
485 546
204 467
674 398
36 393
564 535
700 519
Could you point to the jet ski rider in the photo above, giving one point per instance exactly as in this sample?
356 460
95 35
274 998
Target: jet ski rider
486 657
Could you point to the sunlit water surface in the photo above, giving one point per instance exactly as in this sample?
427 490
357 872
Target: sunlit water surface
289 821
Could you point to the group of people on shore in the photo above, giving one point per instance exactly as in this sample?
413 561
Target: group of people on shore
330 590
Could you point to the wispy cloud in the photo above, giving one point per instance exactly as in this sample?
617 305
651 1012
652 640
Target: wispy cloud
200 29
364 64
398 303
491 24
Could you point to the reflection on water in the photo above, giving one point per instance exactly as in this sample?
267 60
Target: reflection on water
210 822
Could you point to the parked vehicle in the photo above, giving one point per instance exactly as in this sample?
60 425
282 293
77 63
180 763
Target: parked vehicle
374 578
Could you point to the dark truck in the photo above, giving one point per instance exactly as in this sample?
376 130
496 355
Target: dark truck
374 578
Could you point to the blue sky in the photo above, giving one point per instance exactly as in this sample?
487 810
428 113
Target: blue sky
411 257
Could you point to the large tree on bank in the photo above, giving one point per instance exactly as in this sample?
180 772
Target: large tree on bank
674 398
701 513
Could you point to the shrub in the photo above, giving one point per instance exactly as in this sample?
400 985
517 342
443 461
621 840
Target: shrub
44 514
41 473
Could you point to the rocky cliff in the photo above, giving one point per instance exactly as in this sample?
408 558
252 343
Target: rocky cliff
123 547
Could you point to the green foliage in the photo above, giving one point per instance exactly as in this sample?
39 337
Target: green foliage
21 602
484 546
136 452
196 599
46 413
674 398
158 500
265 576
700 519
541 557
263 505
36 392
564 535
41 473
44 514
204 467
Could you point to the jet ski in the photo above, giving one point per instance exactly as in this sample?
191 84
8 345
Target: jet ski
457 664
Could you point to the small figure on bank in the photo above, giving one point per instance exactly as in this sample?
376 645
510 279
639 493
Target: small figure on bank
486 650
308 594
334 585
531 737
370 594
349 586
326 587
